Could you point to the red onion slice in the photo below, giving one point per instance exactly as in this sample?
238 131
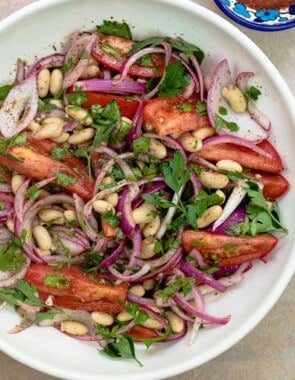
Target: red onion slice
79 52
127 86
248 128
19 108
243 79
48 62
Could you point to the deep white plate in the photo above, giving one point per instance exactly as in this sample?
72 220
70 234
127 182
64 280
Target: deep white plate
34 32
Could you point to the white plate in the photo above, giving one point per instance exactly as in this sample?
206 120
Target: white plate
34 31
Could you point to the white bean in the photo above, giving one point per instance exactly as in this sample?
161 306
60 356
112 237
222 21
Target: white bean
56 80
235 98
16 181
74 328
190 143
62 138
52 216
149 284
10 225
70 216
213 180
42 238
176 323
221 194
52 127
34 126
57 103
147 248
102 206
144 213
82 136
113 199
137 290
203 133
229 165
43 83
79 114
157 149
124 316
102 318
151 228
91 71
209 216
153 324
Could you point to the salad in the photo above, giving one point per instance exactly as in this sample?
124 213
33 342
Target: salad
132 187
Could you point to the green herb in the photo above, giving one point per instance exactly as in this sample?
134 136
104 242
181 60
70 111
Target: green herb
146 60
33 193
4 90
222 110
180 284
67 66
85 55
11 296
2 206
201 108
110 50
157 200
175 79
141 318
106 120
57 281
184 107
82 152
115 28
65 179
121 133
188 48
30 292
13 141
211 270
142 44
111 218
132 308
253 93
45 106
175 172
123 348
92 260
141 145
42 316
77 98
59 153
12 258
220 123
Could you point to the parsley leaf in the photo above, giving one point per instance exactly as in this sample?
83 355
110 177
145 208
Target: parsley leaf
149 41
33 193
4 90
220 122
12 258
77 98
115 28
13 141
111 218
58 153
201 108
30 292
184 107
65 179
253 93
175 173
187 48
67 66
180 284
44 105
175 79
57 281
141 145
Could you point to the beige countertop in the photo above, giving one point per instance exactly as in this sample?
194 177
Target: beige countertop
268 352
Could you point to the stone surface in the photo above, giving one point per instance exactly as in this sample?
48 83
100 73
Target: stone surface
268 352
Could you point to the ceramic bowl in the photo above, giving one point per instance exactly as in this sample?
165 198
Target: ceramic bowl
38 30
271 19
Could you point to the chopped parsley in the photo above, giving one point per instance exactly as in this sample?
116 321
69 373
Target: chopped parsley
33 193
4 90
59 153
57 281
175 79
220 123
77 98
65 179
253 93
184 107
180 284
141 145
114 28
67 66
111 218
201 108
12 258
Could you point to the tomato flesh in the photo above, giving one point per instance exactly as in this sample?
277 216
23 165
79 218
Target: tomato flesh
166 115
224 250
274 185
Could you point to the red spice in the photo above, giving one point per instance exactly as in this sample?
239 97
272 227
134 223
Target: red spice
268 4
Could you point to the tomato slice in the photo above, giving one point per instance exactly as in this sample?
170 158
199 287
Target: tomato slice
141 332
127 106
224 250
166 115
34 161
83 287
274 185
116 62
245 156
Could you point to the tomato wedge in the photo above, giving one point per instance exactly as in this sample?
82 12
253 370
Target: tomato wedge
34 161
121 47
84 292
245 156
166 115
141 332
224 250
274 185
127 106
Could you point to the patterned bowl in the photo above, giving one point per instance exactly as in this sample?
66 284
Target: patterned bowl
271 19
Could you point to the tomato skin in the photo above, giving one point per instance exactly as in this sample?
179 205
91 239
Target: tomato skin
34 162
226 250
116 63
274 185
127 106
245 156
83 289
141 332
164 115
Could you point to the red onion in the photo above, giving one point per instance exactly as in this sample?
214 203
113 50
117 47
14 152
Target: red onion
12 278
5 188
132 277
5 236
137 244
201 161
19 107
107 85
53 60
199 74
88 229
191 271
20 70
110 260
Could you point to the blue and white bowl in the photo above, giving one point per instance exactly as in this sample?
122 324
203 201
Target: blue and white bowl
267 20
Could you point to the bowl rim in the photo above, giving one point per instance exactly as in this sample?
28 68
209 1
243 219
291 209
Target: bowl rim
280 285
252 25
